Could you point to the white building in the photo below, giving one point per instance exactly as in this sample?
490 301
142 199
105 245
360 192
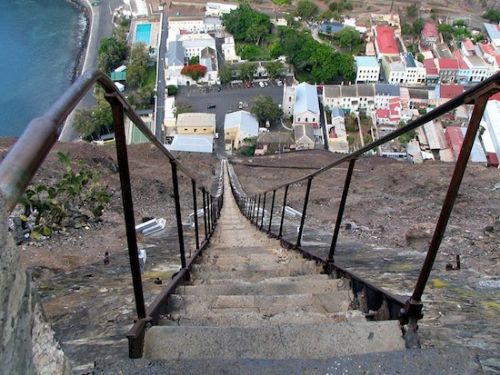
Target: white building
403 69
491 123
183 25
238 126
301 102
219 9
360 97
229 50
367 69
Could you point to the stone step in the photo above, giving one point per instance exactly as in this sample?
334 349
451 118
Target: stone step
294 266
272 342
265 288
444 361
220 250
253 319
330 303
203 275
200 280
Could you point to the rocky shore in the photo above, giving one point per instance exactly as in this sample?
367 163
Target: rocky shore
83 36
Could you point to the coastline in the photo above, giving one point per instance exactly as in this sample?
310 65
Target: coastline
85 9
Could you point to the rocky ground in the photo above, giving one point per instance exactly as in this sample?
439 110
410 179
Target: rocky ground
391 209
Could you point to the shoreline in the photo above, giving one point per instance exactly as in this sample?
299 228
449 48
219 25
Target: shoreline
84 7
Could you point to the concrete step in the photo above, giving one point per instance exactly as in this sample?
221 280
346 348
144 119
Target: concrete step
273 341
288 268
266 288
192 304
254 319
202 280
219 250
444 361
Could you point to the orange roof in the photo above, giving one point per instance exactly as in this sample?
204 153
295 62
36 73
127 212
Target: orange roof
386 40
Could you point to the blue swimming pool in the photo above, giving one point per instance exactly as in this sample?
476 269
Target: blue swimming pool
143 33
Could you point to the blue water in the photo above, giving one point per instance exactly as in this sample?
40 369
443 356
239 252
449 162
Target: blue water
143 33
38 47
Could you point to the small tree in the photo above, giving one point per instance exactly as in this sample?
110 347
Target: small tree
265 109
247 71
274 69
412 10
225 73
306 9
138 67
420 57
172 90
94 121
111 54
194 60
195 72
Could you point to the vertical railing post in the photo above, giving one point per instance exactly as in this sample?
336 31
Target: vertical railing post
205 219
209 208
271 212
283 211
340 213
256 219
180 230
263 211
195 209
252 215
451 195
304 210
128 206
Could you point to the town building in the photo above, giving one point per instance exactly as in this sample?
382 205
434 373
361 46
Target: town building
179 25
464 73
448 69
479 70
274 142
229 50
219 9
431 71
337 135
357 98
367 69
196 123
446 92
403 69
491 125
390 116
429 35
385 42
239 126
304 136
384 93
191 143
301 102
493 32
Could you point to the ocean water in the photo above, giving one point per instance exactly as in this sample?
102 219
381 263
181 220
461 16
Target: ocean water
39 42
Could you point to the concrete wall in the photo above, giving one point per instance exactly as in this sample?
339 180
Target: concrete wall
27 344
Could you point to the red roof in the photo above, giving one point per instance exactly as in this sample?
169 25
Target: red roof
430 30
430 67
495 97
497 58
455 139
386 41
461 62
450 64
487 48
450 91
382 113
469 46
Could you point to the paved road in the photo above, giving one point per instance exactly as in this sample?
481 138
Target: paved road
227 100
102 28
160 83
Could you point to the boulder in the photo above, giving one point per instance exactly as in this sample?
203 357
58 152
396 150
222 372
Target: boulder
419 235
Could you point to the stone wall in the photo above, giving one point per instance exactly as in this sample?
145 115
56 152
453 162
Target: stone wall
27 344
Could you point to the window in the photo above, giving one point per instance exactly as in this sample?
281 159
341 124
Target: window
306 119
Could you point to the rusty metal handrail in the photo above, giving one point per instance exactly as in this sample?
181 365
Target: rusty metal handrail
411 310
25 157
28 153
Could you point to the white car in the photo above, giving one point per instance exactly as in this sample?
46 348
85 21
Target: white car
261 84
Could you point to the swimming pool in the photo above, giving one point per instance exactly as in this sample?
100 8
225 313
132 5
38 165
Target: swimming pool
143 33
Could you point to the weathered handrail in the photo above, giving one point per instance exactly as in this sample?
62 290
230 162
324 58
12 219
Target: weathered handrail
28 153
411 309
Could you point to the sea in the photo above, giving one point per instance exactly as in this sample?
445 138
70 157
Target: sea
39 45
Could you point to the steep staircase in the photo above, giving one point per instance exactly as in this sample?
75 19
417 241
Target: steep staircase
250 299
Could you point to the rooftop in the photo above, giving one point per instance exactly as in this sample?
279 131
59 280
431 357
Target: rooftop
302 130
196 119
366 61
243 120
493 32
430 30
306 98
451 63
430 67
386 40
468 45
284 138
476 61
175 53
410 60
387 89
192 143
450 91
460 60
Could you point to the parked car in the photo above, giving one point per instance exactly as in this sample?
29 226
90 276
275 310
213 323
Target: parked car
261 84
216 135
240 105
211 106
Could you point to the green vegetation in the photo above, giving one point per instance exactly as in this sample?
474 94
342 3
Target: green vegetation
282 2
265 109
247 71
492 15
225 73
111 54
252 52
194 60
348 38
306 9
412 11
458 30
73 200
247 25
195 72
95 121
171 90
138 67
340 6
407 137
420 57
274 69
315 61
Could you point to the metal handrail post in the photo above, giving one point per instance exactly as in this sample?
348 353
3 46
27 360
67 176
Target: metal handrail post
340 213
205 219
263 211
128 205
451 195
271 213
283 211
178 214
195 209
304 210
256 219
